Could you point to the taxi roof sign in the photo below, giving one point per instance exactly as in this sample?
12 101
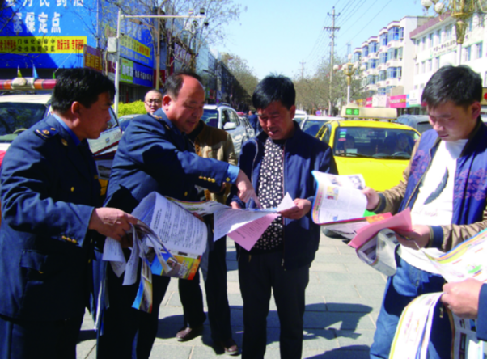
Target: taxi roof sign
352 111
370 113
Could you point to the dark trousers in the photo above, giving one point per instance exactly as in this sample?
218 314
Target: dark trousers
128 332
20 339
259 274
216 295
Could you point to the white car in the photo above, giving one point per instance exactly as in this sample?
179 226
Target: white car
224 117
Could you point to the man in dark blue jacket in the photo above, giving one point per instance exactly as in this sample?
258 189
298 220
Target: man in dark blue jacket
50 204
154 155
280 161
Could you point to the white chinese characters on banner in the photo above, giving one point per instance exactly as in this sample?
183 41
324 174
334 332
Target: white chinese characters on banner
43 23
17 23
56 26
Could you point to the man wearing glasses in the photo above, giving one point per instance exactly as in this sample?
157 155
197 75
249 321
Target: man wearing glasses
152 101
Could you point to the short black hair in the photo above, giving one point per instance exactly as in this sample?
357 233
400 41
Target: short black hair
274 88
175 82
81 85
458 84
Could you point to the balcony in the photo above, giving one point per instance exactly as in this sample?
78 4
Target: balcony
394 63
392 82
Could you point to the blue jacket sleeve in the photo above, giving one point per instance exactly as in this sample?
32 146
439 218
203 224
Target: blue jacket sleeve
29 178
482 314
164 161
327 165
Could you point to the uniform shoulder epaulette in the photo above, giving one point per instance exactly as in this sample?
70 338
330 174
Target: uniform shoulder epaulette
46 132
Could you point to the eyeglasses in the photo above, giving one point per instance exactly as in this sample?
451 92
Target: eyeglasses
156 100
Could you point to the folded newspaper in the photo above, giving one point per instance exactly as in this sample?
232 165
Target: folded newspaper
170 240
338 198
466 260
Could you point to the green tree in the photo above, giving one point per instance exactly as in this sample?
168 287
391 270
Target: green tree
240 68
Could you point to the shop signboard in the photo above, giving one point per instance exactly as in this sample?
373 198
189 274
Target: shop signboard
143 75
92 58
398 101
379 101
368 102
45 33
414 98
127 71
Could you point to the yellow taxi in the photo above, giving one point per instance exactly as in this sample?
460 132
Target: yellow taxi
378 150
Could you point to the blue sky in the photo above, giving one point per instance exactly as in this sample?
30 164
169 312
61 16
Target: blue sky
277 35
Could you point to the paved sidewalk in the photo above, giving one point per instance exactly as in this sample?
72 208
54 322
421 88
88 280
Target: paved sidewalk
342 304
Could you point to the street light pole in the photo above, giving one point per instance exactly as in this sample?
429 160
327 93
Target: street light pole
119 58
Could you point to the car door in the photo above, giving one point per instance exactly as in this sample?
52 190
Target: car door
231 124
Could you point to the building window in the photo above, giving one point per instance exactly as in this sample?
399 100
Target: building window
437 63
383 39
394 33
417 69
374 63
448 33
432 40
470 24
467 54
365 51
423 67
382 75
382 91
357 56
399 54
394 72
478 50
383 57
401 33
423 43
373 48
430 65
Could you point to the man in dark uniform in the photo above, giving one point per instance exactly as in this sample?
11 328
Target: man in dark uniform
50 199
154 154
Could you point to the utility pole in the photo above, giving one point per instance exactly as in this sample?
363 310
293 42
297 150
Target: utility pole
331 29
349 48
302 69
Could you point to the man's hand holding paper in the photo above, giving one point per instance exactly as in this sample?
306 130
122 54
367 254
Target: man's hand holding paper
245 190
415 239
300 209
463 297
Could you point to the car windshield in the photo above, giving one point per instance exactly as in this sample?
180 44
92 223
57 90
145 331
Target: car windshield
17 117
210 117
374 142
311 127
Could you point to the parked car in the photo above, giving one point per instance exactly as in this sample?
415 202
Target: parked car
224 117
20 112
379 151
300 116
418 122
312 124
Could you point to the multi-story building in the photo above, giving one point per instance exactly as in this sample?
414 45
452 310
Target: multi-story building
435 46
386 58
